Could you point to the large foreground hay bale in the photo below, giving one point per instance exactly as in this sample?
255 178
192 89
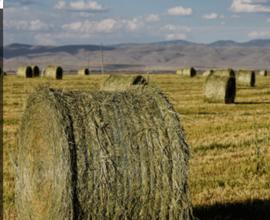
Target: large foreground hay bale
101 155
35 71
83 72
25 71
263 73
220 87
53 72
119 82
190 72
246 78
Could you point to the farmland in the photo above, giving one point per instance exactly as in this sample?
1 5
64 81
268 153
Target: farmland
230 144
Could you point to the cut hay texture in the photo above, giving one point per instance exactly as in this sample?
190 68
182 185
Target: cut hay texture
246 78
263 73
118 82
190 72
220 87
25 71
83 72
35 71
53 72
102 155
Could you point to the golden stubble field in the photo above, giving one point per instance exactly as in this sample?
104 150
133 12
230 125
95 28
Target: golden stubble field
230 144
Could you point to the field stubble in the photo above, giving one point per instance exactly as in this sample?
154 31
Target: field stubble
230 144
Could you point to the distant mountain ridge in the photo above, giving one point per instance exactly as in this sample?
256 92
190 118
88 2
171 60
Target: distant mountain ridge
224 53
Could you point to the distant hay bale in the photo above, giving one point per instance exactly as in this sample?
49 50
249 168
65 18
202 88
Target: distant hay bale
207 73
101 155
119 82
84 72
263 73
246 78
25 71
190 72
53 72
220 87
35 71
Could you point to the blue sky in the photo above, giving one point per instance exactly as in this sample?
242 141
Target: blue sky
59 22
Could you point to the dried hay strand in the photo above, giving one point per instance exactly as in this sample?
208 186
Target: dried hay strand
102 155
263 73
120 82
190 72
246 78
53 72
35 71
220 87
25 71
83 72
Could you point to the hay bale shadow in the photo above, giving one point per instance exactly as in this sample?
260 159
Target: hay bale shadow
249 210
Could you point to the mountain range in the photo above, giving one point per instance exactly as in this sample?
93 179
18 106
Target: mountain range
165 55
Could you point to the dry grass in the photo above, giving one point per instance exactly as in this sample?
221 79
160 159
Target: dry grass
230 144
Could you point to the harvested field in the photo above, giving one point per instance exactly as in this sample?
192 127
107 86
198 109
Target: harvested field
230 156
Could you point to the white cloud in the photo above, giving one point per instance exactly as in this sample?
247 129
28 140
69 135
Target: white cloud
23 25
152 18
108 25
178 36
259 34
103 26
210 16
250 6
175 28
92 6
179 11
1 4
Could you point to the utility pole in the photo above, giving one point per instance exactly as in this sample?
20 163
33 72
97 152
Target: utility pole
102 59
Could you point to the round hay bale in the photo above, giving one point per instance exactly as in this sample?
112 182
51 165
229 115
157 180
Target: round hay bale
190 72
101 155
246 78
53 72
207 73
84 72
263 73
35 71
220 87
25 71
119 82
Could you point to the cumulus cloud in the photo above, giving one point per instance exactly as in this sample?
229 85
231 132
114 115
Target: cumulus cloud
152 18
91 6
108 25
250 6
178 36
212 16
179 11
24 25
259 34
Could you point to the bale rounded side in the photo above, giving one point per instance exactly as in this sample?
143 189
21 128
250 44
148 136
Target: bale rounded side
220 88
190 72
246 78
83 72
25 71
119 82
263 73
207 73
102 155
53 72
